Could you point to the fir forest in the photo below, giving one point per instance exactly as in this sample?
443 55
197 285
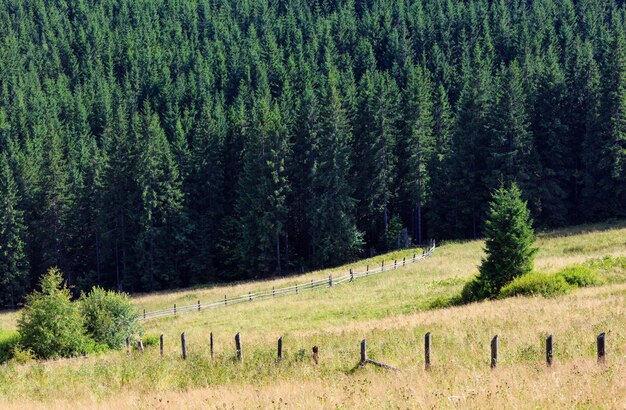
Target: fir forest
157 144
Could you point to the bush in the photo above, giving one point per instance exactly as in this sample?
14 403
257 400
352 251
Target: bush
8 340
20 355
474 291
580 275
536 283
50 324
109 317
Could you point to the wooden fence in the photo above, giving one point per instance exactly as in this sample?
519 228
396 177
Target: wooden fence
364 359
290 290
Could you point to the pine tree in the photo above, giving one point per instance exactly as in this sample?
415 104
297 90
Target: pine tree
161 204
14 268
553 142
419 144
509 241
205 190
470 143
263 189
441 213
374 142
332 203
512 156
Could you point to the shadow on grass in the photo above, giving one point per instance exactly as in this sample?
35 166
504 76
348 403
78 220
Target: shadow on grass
608 225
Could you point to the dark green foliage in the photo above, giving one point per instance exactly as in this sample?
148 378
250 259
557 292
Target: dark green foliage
158 144
13 259
51 325
508 244
109 317
8 342
336 238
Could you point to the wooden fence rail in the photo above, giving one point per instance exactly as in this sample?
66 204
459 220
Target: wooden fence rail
351 276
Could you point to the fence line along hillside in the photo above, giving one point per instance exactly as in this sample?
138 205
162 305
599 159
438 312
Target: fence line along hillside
289 290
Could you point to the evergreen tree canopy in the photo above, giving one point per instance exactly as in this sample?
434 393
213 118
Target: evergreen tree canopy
509 241
158 143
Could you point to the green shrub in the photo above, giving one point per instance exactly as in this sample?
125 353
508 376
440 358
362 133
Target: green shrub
151 340
109 317
51 325
8 340
611 269
536 283
21 355
475 290
580 275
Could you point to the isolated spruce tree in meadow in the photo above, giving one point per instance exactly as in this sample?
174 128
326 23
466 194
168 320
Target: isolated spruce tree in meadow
509 241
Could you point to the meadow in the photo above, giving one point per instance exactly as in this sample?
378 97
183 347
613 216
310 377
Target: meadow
392 310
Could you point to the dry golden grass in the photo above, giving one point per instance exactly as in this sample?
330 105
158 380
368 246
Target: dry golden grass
390 310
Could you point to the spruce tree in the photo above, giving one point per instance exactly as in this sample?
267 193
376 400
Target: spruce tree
157 244
336 237
419 146
509 240
14 267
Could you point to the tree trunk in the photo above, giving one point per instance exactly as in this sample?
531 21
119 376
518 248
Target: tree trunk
279 270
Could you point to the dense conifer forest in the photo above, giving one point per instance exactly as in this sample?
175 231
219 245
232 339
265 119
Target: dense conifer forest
151 144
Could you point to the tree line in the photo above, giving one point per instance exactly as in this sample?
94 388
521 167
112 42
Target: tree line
158 143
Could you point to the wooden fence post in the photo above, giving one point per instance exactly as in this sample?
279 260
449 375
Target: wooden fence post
382 265
128 345
225 300
183 343
238 347
161 344
250 296
427 351
351 276
211 344
330 281
413 257
549 350
174 308
279 353
144 314
395 262
367 270
273 291
296 288
198 305
494 352
403 260
601 347
363 352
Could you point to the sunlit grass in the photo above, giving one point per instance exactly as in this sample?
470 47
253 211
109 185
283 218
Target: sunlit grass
391 310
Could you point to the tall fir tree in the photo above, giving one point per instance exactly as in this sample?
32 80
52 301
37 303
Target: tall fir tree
14 267
419 144
509 242
332 203
512 155
161 204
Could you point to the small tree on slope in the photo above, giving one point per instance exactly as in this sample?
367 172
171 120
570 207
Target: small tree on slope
508 245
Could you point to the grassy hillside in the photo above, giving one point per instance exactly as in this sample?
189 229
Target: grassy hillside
392 311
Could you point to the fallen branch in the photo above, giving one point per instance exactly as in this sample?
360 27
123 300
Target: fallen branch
383 365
